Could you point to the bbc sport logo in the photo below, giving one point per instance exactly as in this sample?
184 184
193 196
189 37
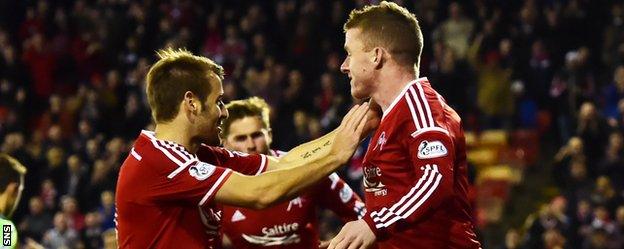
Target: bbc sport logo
6 235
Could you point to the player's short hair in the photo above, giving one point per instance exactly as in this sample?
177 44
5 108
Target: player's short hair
390 26
175 73
251 107
11 171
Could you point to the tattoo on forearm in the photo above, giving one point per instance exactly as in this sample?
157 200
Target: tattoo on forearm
308 154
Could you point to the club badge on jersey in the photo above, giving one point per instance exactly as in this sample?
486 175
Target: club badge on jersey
381 141
201 171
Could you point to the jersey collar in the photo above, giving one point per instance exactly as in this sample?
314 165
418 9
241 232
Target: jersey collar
398 97
150 135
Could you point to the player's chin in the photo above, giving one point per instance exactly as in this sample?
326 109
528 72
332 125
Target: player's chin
214 140
357 94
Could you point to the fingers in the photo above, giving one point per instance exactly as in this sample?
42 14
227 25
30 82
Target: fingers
355 244
357 117
334 242
349 114
348 120
343 244
324 244
360 128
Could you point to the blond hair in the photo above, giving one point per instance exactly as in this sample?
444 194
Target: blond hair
175 73
390 26
251 107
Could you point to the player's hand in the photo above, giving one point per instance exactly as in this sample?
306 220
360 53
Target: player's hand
349 132
354 234
324 244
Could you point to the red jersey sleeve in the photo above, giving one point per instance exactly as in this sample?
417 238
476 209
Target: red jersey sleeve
243 163
190 181
336 195
431 155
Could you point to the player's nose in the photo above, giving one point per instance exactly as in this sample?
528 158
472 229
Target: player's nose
344 68
251 147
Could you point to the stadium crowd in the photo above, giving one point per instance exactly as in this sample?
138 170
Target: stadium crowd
72 94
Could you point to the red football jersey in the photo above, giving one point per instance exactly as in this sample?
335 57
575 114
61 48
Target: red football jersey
292 224
164 193
415 174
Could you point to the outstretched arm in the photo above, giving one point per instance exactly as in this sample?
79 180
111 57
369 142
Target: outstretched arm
295 174
320 147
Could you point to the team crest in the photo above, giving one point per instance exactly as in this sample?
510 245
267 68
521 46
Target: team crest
295 202
201 171
381 141
238 216
345 194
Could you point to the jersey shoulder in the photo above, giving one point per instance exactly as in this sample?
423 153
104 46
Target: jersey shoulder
162 156
416 109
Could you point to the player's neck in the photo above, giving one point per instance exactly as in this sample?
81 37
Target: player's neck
171 132
390 86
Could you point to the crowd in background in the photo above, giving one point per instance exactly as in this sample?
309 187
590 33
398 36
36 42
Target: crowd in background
72 93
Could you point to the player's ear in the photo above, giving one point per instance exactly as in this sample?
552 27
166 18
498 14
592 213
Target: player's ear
190 105
378 57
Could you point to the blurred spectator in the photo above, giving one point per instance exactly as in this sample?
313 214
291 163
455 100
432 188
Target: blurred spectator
593 130
539 74
456 30
41 63
618 238
76 177
612 163
61 236
604 194
73 217
573 151
612 94
578 185
102 178
109 238
37 221
494 97
553 239
48 194
581 222
452 78
106 211
512 240
55 169
548 227
91 234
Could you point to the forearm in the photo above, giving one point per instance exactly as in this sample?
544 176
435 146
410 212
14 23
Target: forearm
271 187
307 165
306 152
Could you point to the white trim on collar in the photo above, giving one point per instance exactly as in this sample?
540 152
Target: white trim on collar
400 96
